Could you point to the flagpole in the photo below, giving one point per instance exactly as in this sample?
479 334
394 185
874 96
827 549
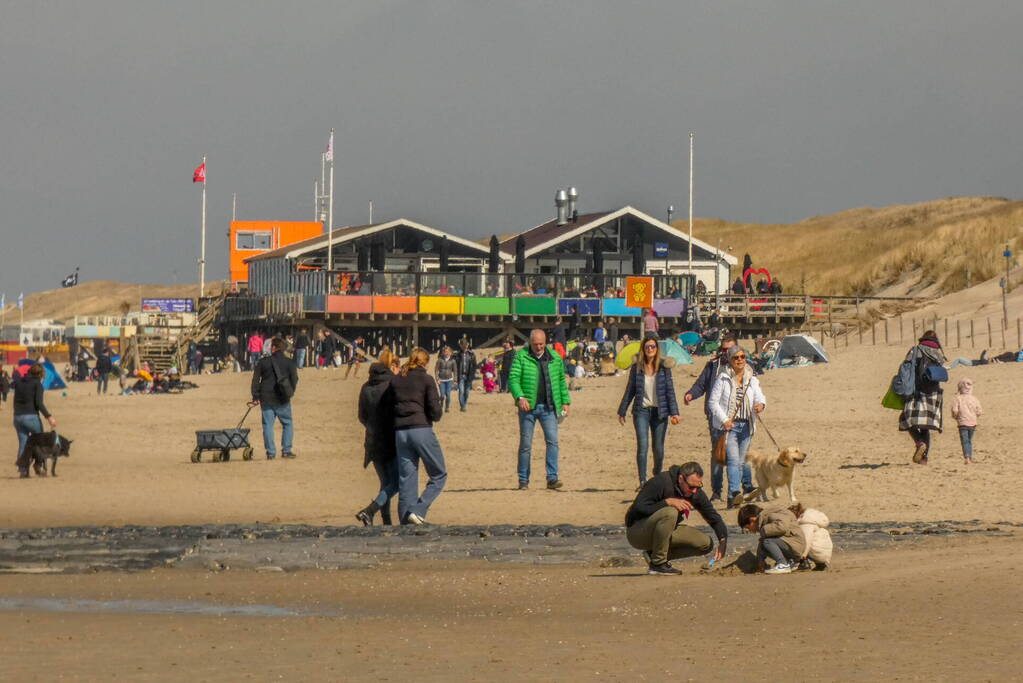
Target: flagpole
690 203
330 208
202 248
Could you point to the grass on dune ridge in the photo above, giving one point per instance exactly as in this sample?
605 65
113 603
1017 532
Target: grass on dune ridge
943 246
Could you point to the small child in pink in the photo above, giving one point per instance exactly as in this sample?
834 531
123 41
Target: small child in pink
966 411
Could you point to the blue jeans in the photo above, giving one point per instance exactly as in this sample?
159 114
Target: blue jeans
777 549
387 473
527 425
300 357
966 439
649 421
960 361
25 426
717 470
445 393
736 445
464 387
415 445
282 413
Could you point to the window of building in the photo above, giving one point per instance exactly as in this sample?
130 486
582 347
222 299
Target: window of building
252 240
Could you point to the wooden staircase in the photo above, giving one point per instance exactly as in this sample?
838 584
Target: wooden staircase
161 351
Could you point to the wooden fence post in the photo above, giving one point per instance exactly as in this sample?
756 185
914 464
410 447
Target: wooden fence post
973 343
873 334
1019 337
900 329
946 331
1003 326
886 331
989 344
959 335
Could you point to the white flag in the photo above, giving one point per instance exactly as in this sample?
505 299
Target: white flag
21 300
329 156
3 300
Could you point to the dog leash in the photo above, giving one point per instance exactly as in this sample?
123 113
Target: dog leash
761 421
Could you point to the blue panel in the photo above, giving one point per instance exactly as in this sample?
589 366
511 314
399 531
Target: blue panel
618 307
586 306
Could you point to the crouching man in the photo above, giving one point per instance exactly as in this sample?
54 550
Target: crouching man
654 522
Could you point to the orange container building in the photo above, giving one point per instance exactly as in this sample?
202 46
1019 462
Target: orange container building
249 238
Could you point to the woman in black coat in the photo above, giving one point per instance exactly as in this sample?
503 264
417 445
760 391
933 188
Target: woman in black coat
377 415
28 404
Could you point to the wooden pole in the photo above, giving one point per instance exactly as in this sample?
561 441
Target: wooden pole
959 335
946 331
900 329
973 343
1003 326
989 344
1019 336
873 334
886 331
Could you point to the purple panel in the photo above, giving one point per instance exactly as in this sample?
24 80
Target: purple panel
673 308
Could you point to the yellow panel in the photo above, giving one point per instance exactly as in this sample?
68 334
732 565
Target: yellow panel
451 305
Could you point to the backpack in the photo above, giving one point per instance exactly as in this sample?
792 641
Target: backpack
904 381
282 383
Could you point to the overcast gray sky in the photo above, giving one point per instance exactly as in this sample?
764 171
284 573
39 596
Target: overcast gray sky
468 115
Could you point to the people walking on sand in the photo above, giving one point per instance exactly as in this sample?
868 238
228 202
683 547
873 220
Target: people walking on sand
651 391
538 387
416 406
702 387
5 385
966 410
301 347
254 347
446 371
654 522
358 355
735 402
28 404
376 414
559 336
104 366
327 348
466 362
922 412
273 384
651 325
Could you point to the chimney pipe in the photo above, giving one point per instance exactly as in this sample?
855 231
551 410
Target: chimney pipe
561 201
573 198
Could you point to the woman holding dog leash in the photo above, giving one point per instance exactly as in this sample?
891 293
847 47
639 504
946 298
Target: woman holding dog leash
735 401
28 403
651 391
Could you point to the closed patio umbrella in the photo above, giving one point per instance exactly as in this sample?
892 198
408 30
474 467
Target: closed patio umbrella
444 254
495 255
520 255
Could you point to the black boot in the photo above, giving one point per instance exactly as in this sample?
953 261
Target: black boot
365 515
385 514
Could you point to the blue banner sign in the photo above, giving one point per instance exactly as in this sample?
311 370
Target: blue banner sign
168 306
661 249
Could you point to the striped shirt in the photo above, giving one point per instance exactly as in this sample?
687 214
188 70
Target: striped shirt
743 411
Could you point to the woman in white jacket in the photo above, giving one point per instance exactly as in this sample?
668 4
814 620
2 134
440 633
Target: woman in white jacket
735 401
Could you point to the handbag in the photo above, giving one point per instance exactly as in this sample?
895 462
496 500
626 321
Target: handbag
892 400
720 455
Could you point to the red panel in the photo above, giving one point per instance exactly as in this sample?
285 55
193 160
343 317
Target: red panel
349 304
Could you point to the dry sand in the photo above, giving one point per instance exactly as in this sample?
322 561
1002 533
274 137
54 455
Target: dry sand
941 610
130 461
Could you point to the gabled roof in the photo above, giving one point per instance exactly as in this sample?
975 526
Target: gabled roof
550 234
342 235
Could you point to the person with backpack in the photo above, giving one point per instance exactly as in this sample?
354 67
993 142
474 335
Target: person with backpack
919 385
273 384
376 413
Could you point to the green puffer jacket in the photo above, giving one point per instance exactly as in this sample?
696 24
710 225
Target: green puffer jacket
525 375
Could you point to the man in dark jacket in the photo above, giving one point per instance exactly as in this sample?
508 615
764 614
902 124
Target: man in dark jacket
376 414
466 372
702 387
301 347
654 520
506 362
104 366
273 383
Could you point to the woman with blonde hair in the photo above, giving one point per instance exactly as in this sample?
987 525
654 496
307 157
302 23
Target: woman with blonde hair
735 401
416 404
651 391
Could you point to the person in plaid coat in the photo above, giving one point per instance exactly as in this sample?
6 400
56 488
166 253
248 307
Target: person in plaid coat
921 414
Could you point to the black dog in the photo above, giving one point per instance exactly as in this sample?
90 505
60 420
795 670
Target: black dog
41 446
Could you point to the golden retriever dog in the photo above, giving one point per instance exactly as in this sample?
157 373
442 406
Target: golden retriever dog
775 471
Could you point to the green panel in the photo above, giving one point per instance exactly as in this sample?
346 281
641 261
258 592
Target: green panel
536 305
482 305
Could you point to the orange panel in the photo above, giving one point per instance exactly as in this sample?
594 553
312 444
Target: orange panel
394 304
349 304
281 234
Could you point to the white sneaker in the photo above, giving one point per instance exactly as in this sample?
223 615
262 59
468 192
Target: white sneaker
413 518
780 568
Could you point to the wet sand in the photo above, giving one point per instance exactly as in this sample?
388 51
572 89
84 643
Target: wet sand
944 609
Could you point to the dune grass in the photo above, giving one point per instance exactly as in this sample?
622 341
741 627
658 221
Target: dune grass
940 246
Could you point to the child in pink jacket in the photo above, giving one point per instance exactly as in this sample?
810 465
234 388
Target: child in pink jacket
966 410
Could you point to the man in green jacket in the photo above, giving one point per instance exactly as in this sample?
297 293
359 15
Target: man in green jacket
537 384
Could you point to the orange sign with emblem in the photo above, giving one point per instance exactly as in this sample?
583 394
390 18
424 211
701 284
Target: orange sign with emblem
639 292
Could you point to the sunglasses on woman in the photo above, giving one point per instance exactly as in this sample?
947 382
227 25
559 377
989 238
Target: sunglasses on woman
738 357
650 346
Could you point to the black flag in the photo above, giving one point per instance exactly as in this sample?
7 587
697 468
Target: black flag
71 280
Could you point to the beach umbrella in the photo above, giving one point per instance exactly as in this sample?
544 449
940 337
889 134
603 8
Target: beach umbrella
495 254
444 253
627 355
520 255
672 349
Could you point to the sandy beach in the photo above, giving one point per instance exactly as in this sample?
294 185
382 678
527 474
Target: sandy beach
130 458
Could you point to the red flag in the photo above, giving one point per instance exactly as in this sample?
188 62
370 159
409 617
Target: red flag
199 174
